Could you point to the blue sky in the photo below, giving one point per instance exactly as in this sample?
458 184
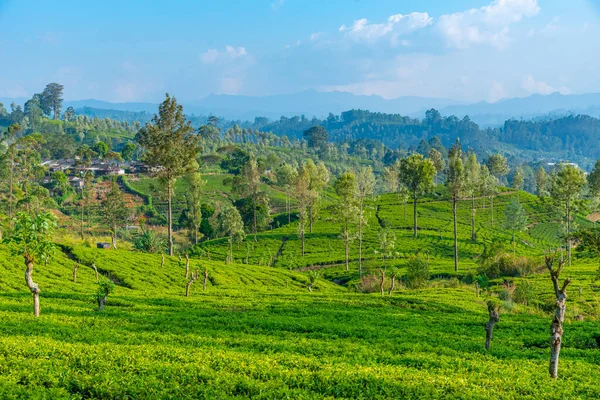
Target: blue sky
462 49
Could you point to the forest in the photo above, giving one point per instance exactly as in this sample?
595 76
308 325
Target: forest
366 255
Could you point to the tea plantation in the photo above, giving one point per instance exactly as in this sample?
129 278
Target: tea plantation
258 332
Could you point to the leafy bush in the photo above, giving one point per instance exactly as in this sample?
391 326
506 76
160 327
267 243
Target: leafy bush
150 242
417 272
105 287
524 293
369 283
497 262
507 291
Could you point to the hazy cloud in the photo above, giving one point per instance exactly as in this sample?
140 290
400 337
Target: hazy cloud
396 25
213 56
488 25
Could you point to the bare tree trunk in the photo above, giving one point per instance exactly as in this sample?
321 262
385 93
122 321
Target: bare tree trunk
347 248
254 208
194 276
489 327
101 303
187 265
170 216
454 201
75 266
310 217
205 279
10 195
289 208
382 271
302 244
96 271
162 261
393 286
556 328
33 287
230 250
114 237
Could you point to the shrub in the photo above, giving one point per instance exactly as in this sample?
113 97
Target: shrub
496 262
105 287
524 293
370 283
150 242
507 291
417 272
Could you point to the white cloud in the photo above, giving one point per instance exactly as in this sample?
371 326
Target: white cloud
530 85
315 36
213 56
488 25
396 25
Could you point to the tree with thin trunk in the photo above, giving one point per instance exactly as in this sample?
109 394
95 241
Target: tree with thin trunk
194 203
347 209
438 162
313 276
393 276
230 224
416 174
473 185
193 278
488 187
187 265
515 219
498 167
556 328
518 181
542 179
33 238
565 189
51 99
318 179
286 177
114 210
494 312
10 164
304 195
105 287
387 243
456 182
382 281
170 145
365 186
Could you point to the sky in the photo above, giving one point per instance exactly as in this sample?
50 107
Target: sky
136 50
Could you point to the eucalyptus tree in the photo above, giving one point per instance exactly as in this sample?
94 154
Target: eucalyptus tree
51 99
33 239
304 196
565 189
472 185
518 181
515 219
194 203
456 183
114 210
230 224
416 174
347 209
558 319
542 179
488 187
319 177
498 167
365 186
170 145
286 177
438 161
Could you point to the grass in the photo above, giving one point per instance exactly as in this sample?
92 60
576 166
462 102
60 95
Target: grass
257 332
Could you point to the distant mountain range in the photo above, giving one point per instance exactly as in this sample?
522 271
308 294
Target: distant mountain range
320 104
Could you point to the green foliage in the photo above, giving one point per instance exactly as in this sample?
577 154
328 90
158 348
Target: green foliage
33 235
150 241
105 287
417 272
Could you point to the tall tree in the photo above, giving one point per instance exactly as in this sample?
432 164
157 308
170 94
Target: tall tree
438 161
473 185
304 196
251 176
456 183
33 237
541 182
365 186
347 210
518 180
565 189
594 179
230 224
489 187
170 147
286 177
515 219
416 173
51 99
194 203
114 210
498 167
319 177
556 328
316 137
